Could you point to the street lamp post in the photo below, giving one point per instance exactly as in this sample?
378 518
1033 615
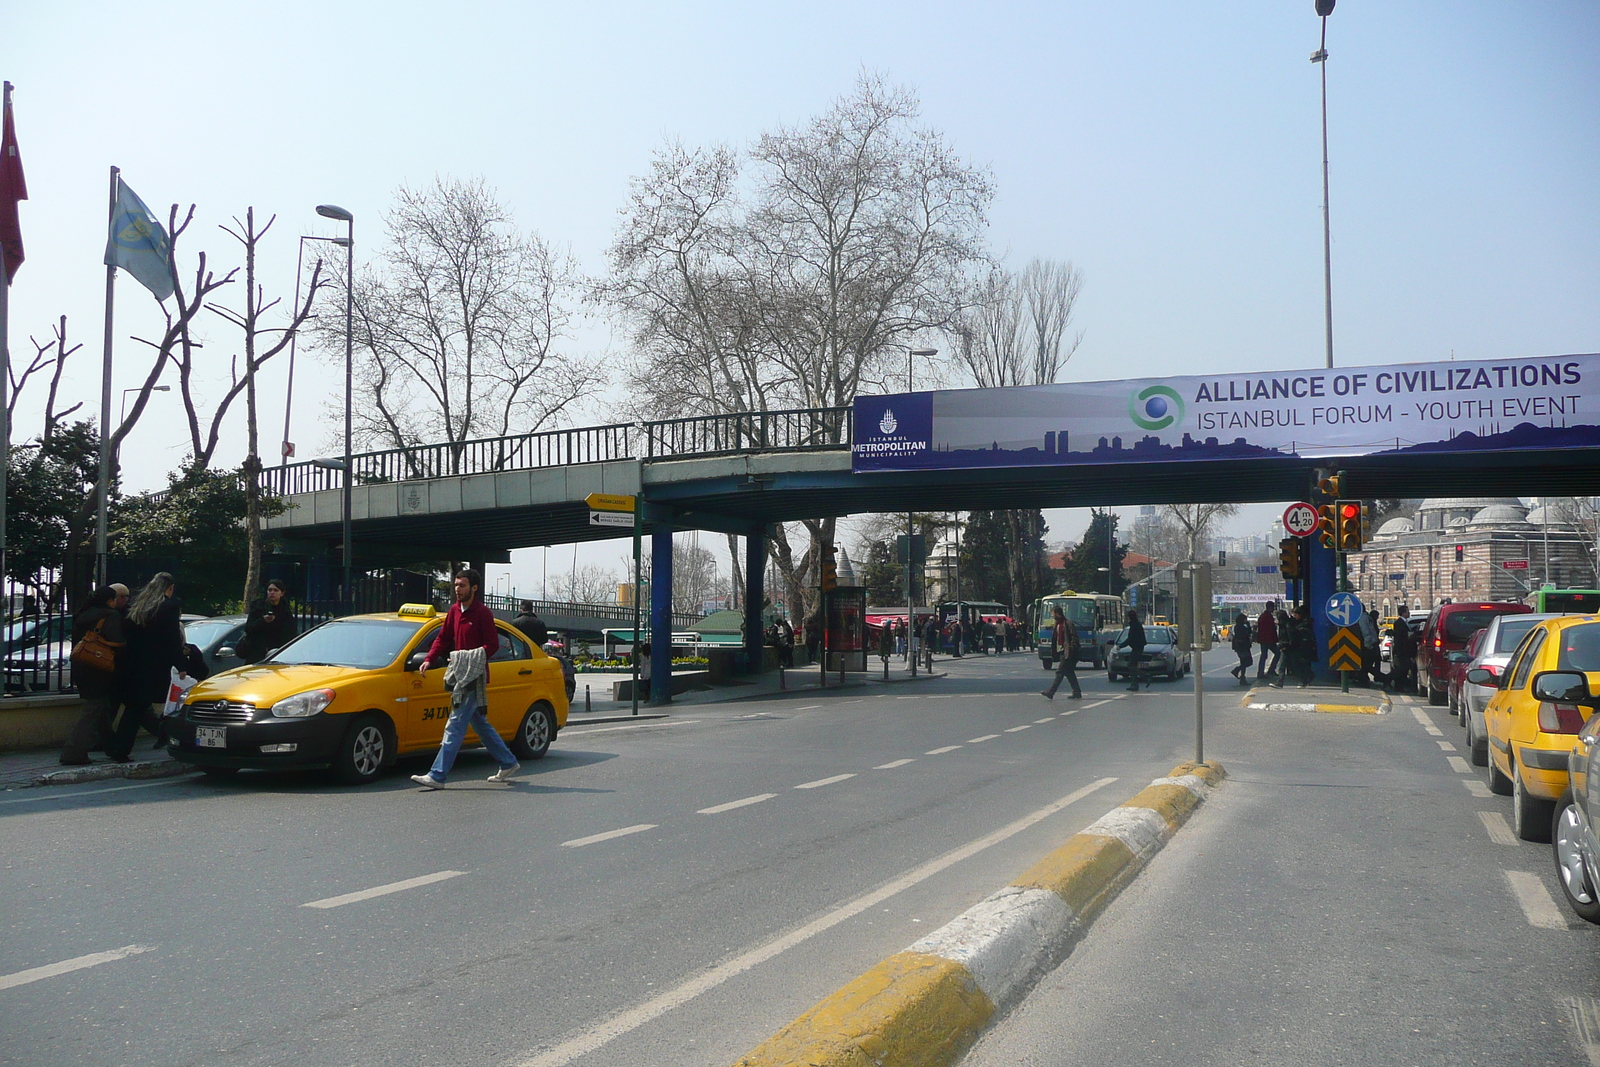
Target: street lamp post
911 612
287 447
330 211
135 389
1320 56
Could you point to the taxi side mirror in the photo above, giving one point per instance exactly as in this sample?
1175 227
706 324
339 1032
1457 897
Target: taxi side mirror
1562 687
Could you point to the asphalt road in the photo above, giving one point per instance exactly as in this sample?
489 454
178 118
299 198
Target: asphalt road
1352 895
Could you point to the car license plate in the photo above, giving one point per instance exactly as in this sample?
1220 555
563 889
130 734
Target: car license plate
211 737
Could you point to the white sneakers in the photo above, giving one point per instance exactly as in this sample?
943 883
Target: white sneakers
426 781
504 774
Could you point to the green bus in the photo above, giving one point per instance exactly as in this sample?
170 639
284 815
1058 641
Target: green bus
1568 601
1097 617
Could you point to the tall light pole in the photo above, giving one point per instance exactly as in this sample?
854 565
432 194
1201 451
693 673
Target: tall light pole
330 211
911 612
135 389
1324 9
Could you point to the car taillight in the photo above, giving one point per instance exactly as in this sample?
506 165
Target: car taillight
1560 718
1438 642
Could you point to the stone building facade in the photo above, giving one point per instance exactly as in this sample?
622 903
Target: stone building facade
1414 561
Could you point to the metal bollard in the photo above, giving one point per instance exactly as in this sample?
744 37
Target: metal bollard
586 706
783 679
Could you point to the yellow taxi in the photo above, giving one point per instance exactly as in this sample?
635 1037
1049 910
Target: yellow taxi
346 696
1542 701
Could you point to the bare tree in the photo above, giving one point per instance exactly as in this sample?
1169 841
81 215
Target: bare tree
1013 329
1195 522
51 356
457 330
589 584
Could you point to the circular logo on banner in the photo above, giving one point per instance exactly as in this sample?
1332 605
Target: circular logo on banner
1155 407
888 424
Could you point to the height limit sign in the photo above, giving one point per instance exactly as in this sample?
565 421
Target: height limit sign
1300 519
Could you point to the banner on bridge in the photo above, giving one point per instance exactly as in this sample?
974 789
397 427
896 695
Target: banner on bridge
1492 405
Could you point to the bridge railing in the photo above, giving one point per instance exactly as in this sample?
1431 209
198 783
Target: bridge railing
621 614
794 430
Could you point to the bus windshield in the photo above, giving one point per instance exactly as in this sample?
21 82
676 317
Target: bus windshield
1079 612
1571 601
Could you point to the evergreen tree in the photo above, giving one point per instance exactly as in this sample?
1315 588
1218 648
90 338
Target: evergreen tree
883 578
985 557
1083 563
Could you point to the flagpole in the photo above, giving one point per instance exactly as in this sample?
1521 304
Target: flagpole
5 376
103 485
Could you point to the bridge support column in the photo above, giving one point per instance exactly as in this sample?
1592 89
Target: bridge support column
755 569
1322 583
661 617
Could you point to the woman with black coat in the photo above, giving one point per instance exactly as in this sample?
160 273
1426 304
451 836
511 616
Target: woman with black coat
144 667
269 626
97 688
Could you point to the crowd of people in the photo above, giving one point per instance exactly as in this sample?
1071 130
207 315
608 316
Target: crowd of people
1287 646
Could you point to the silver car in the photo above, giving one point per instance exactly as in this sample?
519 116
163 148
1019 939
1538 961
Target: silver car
1501 638
1572 833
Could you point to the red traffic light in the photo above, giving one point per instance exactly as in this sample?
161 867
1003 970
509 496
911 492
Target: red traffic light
1349 511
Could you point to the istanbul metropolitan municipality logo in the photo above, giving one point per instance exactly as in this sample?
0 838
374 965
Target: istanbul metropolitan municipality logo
1155 407
888 424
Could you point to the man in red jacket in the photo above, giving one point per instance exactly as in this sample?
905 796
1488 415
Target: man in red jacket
468 625
1267 638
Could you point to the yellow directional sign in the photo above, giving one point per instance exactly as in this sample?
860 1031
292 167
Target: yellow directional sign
1344 650
608 502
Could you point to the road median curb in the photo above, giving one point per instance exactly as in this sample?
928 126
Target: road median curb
924 1007
99 772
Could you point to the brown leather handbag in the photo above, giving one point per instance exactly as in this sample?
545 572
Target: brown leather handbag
95 651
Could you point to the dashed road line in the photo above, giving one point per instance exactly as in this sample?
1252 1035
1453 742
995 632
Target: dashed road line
1097 703
1475 787
1018 729
383 890
1434 730
808 707
824 781
941 751
718 809
77 963
985 737
1499 830
1445 746
1047 718
579 842
1459 765
1535 900
893 764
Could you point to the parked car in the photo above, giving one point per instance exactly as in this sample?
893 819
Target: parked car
1161 655
37 654
1572 832
1534 715
345 695
1500 640
1456 668
1446 631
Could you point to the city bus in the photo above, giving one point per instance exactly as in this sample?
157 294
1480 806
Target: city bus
1097 617
1567 601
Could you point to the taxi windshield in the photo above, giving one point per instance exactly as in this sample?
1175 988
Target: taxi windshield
366 643
1580 648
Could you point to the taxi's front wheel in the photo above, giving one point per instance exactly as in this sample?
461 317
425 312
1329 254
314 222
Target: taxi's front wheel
362 752
533 735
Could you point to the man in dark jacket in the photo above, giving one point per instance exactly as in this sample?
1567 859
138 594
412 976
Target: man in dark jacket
97 688
530 624
930 639
1064 644
269 626
1135 643
469 625
1267 637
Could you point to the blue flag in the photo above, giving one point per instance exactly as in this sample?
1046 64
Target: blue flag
138 244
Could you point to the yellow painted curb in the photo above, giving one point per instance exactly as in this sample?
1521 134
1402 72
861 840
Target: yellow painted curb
908 1011
919 1010
1349 709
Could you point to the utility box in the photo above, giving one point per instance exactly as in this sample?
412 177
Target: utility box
1194 606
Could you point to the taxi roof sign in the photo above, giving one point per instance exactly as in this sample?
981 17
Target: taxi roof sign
417 611
609 502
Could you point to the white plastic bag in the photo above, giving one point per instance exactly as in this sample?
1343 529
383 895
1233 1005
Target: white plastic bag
177 691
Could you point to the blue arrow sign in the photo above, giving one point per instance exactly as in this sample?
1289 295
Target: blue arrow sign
1342 609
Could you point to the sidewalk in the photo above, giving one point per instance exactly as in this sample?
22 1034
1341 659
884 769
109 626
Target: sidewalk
1317 698
42 766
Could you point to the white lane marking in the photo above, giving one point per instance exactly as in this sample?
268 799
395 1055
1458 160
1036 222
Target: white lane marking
1459 765
985 737
383 890
949 696
908 698
1421 717
1499 830
632 726
1064 714
893 765
1047 718
1535 900
579 842
808 707
1097 703
1475 787
77 963
824 781
1026 726
941 751
51 792
718 809
625 1022
1433 730
1584 1015
1445 746
1120 696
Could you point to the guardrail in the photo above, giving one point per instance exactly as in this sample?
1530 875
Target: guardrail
621 614
794 430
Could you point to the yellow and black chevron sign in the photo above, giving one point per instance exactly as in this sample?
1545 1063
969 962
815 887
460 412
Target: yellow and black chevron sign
1344 650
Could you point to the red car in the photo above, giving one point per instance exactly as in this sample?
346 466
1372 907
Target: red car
1456 669
1446 631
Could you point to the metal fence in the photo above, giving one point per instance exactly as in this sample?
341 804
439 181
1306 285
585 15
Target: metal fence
621 614
796 430
36 646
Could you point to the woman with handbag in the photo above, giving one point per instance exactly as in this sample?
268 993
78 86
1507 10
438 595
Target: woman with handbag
96 638
155 647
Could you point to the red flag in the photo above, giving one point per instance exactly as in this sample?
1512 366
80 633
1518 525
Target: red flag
12 188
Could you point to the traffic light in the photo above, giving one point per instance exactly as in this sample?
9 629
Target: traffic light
1327 525
1366 523
1332 486
1289 558
1349 513
1222 557
1461 553
830 568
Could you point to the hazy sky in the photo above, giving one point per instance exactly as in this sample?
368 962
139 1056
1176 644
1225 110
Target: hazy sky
1171 151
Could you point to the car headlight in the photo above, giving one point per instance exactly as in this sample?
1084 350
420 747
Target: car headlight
303 705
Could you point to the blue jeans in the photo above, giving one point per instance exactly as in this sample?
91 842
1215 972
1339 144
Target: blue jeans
455 731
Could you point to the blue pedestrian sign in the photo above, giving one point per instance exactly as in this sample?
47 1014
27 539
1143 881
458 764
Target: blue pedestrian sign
1343 609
